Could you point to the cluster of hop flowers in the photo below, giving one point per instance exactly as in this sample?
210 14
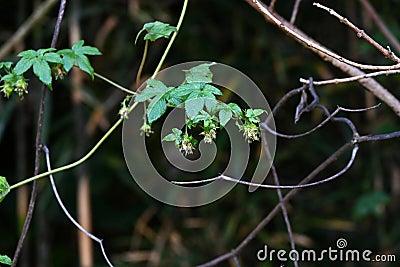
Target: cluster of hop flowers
17 83
185 142
250 124
247 122
251 131
12 82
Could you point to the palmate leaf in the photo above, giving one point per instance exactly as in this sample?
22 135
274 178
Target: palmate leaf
77 54
153 88
157 108
200 73
39 60
156 30
157 92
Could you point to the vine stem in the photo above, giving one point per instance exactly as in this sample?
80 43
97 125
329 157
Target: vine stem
114 84
115 126
78 162
178 26
139 73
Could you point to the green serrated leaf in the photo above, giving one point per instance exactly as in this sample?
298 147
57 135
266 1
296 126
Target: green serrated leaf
193 107
146 94
210 104
53 57
157 85
170 137
175 135
4 188
6 65
77 45
68 61
4 259
183 90
78 54
42 70
28 54
153 88
90 50
211 89
156 109
200 73
176 131
84 64
224 116
23 65
156 30
258 112
236 109
43 51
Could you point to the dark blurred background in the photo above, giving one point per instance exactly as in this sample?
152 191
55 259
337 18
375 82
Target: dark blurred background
361 206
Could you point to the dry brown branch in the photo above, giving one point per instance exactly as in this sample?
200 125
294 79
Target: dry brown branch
381 25
353 78
370 84
295 11
277 208
360 33
25 28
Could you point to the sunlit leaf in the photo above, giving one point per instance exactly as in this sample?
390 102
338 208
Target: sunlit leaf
4 259
224 116
42 70
23 65
193 107
156 30
200 73
4 188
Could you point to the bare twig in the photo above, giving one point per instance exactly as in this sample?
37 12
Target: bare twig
284 212
66 212
360 33
330 117
269 186
295 11
336 60
272 4
353 78
394 42
25 28
277 208
38 145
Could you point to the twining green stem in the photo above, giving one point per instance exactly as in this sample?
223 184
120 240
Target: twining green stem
78 162
115 126
114 84
178 26
139 73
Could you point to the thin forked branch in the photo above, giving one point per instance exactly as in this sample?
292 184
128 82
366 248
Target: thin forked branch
349 67
360 33
66 212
